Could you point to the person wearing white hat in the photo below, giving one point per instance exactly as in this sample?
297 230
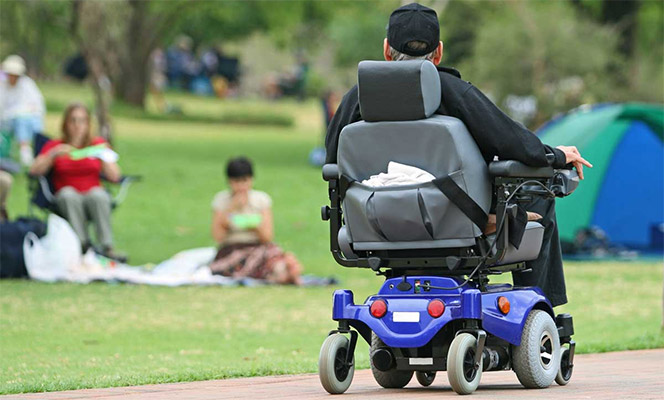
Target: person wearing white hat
22 106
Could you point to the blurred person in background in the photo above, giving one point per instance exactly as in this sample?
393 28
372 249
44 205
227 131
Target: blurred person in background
158 79
226 78
5 185
79 194
178 60
242 226
22 106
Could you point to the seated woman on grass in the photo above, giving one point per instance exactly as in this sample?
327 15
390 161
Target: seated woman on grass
79 195
242 226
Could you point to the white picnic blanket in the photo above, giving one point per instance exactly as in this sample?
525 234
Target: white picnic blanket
57 257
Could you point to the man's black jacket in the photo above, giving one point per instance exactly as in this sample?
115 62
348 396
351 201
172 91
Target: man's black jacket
495 133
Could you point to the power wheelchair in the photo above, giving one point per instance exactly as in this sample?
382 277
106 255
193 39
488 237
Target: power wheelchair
436 310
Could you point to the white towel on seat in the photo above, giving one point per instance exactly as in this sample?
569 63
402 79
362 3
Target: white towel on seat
399 174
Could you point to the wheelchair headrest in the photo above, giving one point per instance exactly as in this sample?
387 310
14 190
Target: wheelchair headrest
398 90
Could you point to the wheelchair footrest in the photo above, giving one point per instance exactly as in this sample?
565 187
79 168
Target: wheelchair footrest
565 327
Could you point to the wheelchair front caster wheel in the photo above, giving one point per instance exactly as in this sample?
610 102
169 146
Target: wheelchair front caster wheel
565 370
334 372
425 378
461 371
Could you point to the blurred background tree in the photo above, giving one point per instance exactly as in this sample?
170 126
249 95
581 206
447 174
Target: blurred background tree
545 50
557 54
24 31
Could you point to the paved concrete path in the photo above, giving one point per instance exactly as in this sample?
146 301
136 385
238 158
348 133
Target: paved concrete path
620 375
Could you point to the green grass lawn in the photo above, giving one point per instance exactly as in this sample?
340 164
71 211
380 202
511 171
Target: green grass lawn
68 336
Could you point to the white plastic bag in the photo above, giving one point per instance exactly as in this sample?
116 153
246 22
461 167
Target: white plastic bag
53 256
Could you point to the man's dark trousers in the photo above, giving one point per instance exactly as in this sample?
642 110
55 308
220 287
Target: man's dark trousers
545 272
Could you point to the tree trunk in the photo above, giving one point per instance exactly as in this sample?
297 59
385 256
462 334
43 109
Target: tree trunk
101 85
99 76
132 90
122 54
131 85
623 14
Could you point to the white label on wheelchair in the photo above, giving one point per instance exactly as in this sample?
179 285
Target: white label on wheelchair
420 361
405 316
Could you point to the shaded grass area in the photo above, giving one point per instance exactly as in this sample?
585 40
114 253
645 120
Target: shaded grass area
68 336
183 107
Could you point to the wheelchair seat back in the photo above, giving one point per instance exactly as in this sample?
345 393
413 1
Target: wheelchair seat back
397 103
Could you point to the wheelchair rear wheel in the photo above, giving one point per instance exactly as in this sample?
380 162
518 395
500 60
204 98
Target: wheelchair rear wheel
393 378
334 372
425 378
536 360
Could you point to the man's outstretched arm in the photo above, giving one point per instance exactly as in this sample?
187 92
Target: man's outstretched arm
499 135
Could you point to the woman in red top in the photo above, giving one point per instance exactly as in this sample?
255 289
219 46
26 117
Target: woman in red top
78 192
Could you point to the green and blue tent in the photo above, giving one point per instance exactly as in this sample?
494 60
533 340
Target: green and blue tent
624 193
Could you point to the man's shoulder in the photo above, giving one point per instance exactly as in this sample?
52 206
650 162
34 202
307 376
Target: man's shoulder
351 101
443 71
352 92
452 77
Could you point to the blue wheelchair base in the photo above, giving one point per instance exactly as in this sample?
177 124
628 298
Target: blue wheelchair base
407 334
408 324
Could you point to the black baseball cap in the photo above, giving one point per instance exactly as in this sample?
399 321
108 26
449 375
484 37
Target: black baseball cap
413 22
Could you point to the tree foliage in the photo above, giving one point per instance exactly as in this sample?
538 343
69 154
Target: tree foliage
565 52
357 32
38 31
546 50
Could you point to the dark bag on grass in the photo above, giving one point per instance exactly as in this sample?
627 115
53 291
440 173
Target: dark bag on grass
12 263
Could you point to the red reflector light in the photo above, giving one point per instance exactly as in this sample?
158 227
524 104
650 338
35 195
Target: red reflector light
503 304
436 308
378 308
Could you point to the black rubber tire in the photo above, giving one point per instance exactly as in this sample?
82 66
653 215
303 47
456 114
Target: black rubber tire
334 379
564 373
536 360
391 379
425 378
459 357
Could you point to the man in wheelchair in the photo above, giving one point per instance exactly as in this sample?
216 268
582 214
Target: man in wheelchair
427 237
413 33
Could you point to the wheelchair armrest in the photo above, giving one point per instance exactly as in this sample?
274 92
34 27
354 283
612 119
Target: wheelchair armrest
565 181
330 171
516 169
123 179
124 182
130 178
44 186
